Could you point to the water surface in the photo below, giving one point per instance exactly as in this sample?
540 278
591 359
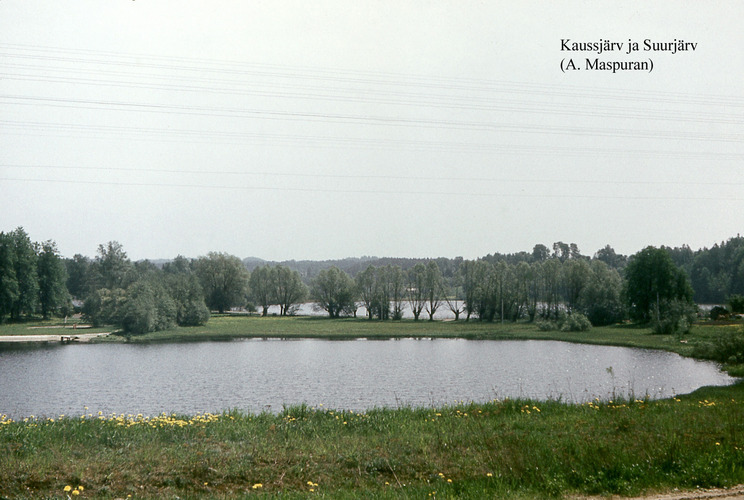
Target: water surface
256 375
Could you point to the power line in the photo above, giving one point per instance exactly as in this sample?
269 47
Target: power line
345 75
364 177
375 191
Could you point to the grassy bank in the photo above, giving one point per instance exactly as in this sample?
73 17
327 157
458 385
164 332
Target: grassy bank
54 326
502 449
226 327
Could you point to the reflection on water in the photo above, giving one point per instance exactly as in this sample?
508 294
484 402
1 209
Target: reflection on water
257 375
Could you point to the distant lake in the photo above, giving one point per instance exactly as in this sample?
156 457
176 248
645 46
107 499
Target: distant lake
257 375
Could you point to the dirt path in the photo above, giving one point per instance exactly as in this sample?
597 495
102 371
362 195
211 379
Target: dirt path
72 337
734 493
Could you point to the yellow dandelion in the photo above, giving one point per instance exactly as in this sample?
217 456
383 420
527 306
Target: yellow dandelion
68 488
75 492
488 474
80 487
257 486
449 480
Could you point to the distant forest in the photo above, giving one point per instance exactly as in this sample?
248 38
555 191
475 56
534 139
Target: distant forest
715 273
557 286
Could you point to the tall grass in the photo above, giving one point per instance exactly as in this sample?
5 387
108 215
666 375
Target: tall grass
501 449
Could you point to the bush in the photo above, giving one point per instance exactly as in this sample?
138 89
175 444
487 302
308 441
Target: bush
675 317
725 348
547 326
736 302
576 322
719 312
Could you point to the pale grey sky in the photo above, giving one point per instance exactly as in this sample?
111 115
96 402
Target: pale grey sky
316 130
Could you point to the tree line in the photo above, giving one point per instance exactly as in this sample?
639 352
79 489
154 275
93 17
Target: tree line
558 289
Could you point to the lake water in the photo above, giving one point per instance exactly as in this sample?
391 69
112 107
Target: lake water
257 375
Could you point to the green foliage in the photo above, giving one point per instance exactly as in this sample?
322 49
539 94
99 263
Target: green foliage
8 282
382 291
719 312
511 449
224 280
262 290
24 259
111 268
147 307
102 307
289 289
574 322
601 299
674 317
78 276
416 289
655 283
52 276
736 303
334 292
718 272
726 347
188 297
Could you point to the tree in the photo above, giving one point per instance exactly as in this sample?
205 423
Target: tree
262 289
112 268
52 277
452 293
609 257
389 293
549 272
656 287
434 283
187 294
290 290
575 275
8 281
540 253
416 290
102 306
366 286
473 274
224 280
147 307
334 292
24 266
601 300
78 272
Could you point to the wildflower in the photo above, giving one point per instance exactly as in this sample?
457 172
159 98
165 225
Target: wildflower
257 486
68 488
75 492
488 474
449 480
80 487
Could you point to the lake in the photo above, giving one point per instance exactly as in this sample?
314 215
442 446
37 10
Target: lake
264 375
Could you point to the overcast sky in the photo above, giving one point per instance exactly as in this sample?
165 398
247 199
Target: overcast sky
318 130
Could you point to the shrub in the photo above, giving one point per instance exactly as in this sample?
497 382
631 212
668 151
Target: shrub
719 312
726 348
576 322
675 318
736 302
547 326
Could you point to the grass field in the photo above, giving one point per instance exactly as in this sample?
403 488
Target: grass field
223 327
501 449
54 326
